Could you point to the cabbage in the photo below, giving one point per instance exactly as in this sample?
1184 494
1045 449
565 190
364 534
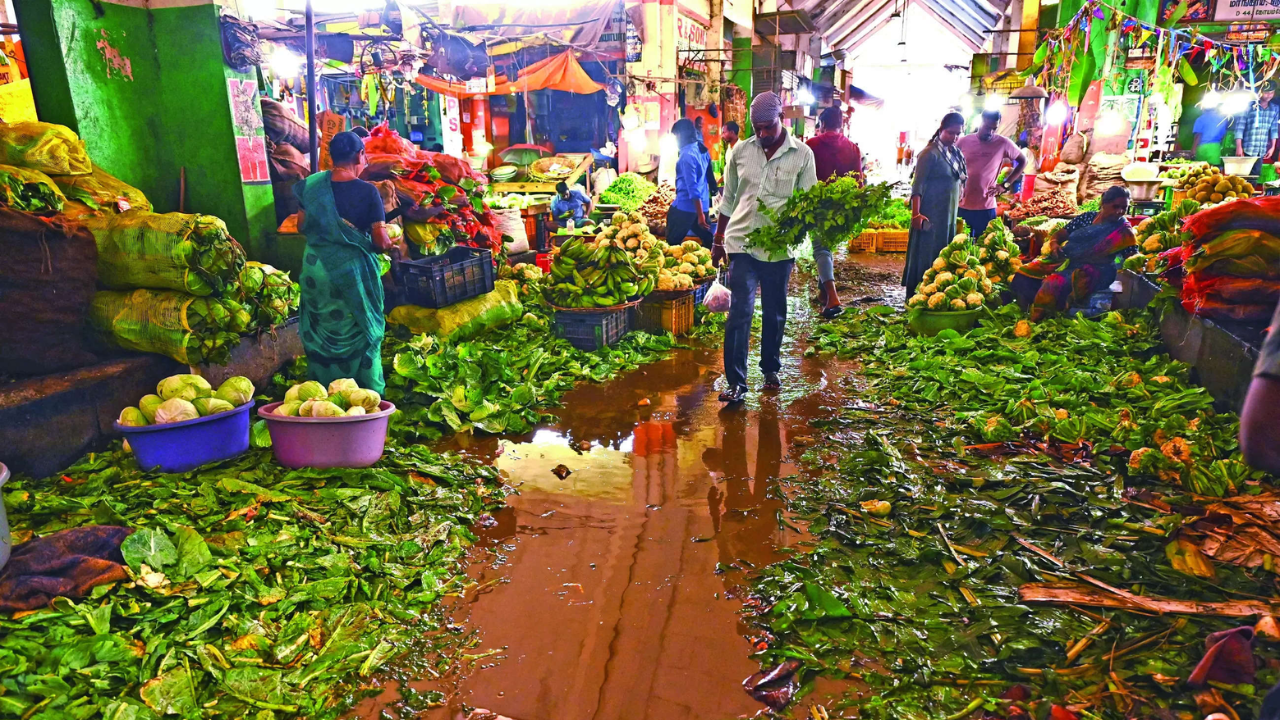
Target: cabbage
211 406
175 410
340 400
309 390
304 410
288 409
324 408
132 417
342 384
367 399
357 410
236 390
187 387
148 405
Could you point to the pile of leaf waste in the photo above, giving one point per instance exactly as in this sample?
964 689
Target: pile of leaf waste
253 590
1031 522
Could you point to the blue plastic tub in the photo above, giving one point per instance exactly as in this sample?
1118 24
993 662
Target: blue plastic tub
183 446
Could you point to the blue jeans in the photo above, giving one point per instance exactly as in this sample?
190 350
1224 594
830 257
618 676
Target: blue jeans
825 261
746 275
977 220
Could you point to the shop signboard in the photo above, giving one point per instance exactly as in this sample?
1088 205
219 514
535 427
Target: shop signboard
1244 11
619 40
452 121
1248 32
691 40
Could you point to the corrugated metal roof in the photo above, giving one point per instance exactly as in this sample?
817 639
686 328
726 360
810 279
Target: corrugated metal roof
845 24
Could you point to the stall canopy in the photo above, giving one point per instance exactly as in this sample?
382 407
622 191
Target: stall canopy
846 24
558 72
579 23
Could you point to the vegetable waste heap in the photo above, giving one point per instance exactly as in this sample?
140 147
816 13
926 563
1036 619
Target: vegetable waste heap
1018 523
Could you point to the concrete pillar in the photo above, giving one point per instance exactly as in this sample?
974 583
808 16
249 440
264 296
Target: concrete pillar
146 87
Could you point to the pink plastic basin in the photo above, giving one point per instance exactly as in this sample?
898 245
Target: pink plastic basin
339 442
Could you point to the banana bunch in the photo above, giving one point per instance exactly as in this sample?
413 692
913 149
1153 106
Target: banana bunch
596 273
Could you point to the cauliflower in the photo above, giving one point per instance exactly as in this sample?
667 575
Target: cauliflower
685 268
937 301
982 254
1001 255
939 265
666 282
635 216
691 246
929 275
683 282
986 286
994 278
633 244
917 300
676 251
1022 329
647 243
619 218
973 275
973 300
1016 263
958 304
929 289
943 279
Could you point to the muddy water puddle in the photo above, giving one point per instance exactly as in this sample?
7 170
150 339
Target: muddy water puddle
610 592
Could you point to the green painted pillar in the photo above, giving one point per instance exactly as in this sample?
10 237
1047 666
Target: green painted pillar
742 63
148 91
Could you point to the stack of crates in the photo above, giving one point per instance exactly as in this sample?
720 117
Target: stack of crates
662 315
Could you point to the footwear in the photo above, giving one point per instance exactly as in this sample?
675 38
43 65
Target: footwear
832 312
734 395
771 382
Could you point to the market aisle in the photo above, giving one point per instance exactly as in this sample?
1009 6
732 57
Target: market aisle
609 604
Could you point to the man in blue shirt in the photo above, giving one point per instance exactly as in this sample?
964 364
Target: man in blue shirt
688 212
570 204
1256 127
1207 134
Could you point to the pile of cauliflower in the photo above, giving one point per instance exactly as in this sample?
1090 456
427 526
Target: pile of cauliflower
998 252
684 265
524 272
957 280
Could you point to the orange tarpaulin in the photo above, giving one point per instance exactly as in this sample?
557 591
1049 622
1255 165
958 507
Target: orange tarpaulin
558 72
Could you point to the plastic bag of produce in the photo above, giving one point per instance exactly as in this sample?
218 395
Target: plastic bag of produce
718 297
51 149
173 251
189 329
100 191
466 319
271 293
29 190
1234 244
46 283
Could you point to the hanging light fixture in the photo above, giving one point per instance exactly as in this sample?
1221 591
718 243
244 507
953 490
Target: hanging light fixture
896 12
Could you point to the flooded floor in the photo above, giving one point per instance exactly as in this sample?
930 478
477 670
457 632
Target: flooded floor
609 592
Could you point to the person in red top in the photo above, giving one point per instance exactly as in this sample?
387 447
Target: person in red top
834 155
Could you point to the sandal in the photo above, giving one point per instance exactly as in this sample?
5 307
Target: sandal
832 312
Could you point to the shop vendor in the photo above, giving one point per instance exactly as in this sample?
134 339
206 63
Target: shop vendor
344 222
570 204
1081 259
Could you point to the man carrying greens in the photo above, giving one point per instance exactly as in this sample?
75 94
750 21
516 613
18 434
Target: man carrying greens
766 169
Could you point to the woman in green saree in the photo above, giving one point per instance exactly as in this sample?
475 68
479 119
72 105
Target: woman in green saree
344 222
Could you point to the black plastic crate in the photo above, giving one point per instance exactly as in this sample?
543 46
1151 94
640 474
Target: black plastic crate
700 292
592 330
438 281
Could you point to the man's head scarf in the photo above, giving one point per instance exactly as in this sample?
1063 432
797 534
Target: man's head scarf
766 108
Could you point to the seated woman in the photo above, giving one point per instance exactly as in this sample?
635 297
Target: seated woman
1081 258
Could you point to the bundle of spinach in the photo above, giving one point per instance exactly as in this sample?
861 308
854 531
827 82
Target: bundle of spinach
254 590
896 216
628 192
911 592
829 212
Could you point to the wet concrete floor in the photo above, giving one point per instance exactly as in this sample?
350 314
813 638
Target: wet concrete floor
606 593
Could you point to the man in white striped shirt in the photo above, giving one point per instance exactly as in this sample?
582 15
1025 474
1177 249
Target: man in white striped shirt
767 169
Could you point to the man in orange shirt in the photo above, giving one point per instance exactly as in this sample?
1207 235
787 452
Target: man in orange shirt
834 155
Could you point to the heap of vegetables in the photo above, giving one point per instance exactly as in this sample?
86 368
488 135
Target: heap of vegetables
956 281
1160 233
628 192
601 272
1208 184
895 216
187 397
685 264
272 295
342 398
998 252
828 212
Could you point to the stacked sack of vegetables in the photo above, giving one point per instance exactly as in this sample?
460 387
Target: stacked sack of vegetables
956 281
1159 234
998 253
1231 261
628 192
268 292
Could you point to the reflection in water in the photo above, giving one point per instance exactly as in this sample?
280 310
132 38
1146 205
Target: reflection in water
600 590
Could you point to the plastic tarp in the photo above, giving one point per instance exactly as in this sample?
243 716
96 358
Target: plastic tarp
558 72
579 23
465 319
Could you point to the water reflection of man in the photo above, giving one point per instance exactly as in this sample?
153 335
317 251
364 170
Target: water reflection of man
742 511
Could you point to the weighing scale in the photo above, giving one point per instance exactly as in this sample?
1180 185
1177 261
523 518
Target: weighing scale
1146 208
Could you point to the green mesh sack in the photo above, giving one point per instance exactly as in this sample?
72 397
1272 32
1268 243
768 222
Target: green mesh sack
29 190
100 191
191 330
466 319
51 149
173 251
272 296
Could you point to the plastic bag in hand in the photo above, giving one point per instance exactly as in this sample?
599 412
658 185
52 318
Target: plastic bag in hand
718 297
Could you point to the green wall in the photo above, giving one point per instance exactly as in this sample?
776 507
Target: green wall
147 91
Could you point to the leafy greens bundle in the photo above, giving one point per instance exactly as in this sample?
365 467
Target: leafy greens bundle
829 212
